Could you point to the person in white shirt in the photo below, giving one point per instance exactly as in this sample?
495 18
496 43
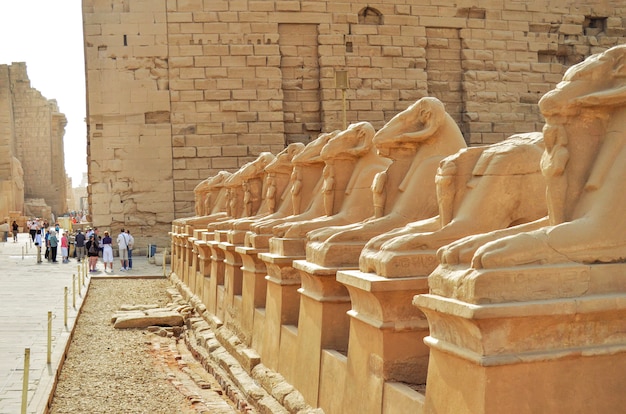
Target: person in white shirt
122 245
131 244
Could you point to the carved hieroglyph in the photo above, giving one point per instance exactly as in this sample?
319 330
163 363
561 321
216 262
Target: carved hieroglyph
585 167
351 164
479 189
416 139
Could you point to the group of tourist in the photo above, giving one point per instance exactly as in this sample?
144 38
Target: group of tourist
42 234
96 246
87 246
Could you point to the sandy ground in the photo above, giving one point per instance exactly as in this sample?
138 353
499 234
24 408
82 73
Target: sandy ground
134 370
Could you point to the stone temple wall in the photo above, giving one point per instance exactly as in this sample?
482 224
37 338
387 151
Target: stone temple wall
179 90
8 200
31 129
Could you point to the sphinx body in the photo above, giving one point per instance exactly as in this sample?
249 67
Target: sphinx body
300 201
351 162
211 201
479 189
277 173
416 140
584 165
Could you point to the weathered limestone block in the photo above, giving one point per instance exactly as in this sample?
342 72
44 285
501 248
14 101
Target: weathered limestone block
144 317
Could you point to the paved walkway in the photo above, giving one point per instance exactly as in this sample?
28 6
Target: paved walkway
28 291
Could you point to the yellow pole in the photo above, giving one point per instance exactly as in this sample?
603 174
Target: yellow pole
65 307
74 291
49 355
22 252
25 380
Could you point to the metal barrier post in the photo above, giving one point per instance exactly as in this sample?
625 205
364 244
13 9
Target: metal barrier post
65 306
25 381
49 354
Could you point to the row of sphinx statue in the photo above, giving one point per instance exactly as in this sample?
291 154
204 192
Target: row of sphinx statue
412 196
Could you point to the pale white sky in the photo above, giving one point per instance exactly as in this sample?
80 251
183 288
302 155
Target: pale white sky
47 35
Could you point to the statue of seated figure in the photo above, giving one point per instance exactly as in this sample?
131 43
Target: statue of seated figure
351 164
416 140
585 166
479 189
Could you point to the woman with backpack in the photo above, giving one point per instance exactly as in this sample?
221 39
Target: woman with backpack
92 253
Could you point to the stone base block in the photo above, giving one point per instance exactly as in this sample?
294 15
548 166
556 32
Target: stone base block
527 282
406 264
334 254
287 247
236 237
258 241
558 355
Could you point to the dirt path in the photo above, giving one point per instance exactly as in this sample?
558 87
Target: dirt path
131 371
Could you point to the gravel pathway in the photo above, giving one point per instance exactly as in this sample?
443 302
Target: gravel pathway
131 370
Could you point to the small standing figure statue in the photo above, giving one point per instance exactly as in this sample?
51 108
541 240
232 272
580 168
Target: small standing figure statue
296 189
328 189
379 193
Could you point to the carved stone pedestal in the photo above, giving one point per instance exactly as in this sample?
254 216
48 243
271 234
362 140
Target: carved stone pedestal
386 337
204 270
215 303
527 340
233 281
192 264
253 294
323 324
281 308
180 242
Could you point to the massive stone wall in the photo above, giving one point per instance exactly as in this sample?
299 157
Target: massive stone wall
31 144
9 201
179 90
129 130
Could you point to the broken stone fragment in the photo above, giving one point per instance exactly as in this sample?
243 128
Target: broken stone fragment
144 318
